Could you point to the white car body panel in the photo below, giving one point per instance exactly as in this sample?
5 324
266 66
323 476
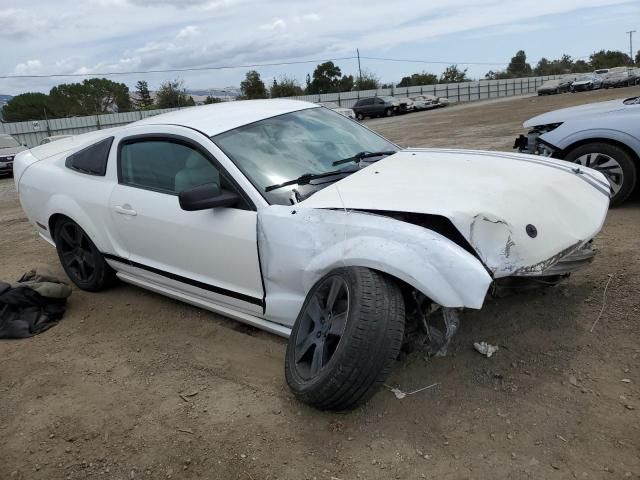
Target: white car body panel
489 196
270 257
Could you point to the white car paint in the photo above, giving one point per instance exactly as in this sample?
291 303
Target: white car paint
257 266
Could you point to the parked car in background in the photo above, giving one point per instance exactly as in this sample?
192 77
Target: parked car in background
587 82
431 101
378 107
301 222
604 136
410 107
347 112
551 87
623 78
9 147
53 138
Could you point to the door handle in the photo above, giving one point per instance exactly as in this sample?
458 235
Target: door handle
125 210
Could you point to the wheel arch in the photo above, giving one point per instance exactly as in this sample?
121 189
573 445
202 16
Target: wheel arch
62 206
608 140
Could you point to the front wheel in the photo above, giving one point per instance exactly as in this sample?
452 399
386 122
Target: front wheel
614 162
345 339
388 112
80 258
360 116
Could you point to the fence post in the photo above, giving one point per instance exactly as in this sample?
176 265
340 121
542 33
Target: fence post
339 104
98 122
446 93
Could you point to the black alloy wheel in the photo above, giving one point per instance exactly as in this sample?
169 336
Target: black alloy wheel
80 258
322 326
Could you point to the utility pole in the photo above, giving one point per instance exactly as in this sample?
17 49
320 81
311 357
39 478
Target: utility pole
359 69
631 32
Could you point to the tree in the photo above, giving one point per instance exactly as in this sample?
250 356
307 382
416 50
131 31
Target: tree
518 66
497 75
453 74
346 84
367 81
91 97
288 87
171 94
325 79
609 59
143 99
252 86
416 79
209 100
28 106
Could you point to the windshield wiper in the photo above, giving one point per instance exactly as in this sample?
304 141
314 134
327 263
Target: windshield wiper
358 157
305 179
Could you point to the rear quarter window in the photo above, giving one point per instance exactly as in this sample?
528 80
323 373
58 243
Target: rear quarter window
91 160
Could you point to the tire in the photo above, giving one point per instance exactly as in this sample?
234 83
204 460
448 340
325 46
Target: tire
355 364
82 261
360 116
557 91
388 112
622 178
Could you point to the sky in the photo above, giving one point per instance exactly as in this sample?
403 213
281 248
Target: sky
42 37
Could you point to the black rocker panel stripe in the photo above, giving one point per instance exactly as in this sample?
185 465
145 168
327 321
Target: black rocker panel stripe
188 281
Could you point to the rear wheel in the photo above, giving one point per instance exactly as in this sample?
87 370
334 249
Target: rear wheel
388 112
80 258
359 116
614 162
346 338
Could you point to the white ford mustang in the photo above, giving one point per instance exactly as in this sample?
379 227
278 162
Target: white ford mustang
292 218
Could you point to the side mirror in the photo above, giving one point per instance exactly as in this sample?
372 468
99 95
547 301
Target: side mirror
204 197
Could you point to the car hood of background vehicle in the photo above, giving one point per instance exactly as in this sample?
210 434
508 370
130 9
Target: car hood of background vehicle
564 114
490 197
7 152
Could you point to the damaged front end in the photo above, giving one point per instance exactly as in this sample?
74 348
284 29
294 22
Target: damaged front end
533 144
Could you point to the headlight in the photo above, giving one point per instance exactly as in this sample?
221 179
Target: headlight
540 129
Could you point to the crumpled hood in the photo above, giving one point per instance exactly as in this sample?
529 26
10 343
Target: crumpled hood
490 197
564 114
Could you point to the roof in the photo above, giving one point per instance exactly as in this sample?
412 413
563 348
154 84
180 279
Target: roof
221 117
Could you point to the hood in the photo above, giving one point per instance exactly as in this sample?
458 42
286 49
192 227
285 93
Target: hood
10 151
493 199
564 114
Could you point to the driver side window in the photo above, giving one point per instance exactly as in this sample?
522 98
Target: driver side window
165 166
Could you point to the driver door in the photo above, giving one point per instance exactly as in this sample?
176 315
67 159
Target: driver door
211 254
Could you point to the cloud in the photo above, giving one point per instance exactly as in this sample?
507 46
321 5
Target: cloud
118 35
276 24
30 67
175 3
188 31
18 24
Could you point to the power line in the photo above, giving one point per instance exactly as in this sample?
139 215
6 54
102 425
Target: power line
254 65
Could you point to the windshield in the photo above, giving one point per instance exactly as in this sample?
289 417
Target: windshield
8 142
285 147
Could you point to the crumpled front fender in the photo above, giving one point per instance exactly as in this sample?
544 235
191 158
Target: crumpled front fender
299 245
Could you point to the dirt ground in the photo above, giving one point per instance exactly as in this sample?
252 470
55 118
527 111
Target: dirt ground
132 385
